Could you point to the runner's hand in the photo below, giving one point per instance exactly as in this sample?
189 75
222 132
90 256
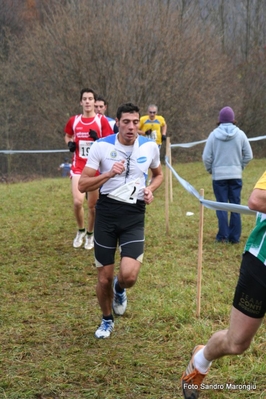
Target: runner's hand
72 146
148 196
93 135
118 168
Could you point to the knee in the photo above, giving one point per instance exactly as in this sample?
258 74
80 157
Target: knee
105 281
78 203
128 280
91 208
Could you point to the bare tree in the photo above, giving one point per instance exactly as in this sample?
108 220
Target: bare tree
160 52
128 59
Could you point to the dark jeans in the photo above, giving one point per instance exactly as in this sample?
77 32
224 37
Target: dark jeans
228 191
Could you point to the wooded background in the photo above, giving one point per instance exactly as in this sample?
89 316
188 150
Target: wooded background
189 57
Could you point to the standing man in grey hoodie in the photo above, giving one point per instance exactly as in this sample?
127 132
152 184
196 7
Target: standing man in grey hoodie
226 153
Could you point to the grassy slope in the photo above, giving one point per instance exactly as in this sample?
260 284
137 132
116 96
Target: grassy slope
49 310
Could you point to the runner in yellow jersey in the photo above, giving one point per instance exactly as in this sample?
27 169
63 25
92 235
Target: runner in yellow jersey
153 126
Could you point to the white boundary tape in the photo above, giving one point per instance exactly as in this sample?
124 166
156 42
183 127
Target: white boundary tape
221 206
30 151
183 145
188 145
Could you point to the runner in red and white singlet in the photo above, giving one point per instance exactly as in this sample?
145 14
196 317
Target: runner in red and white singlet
80 133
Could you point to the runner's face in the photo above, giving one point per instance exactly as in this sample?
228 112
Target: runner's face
128 127
152 113
87 103
99 107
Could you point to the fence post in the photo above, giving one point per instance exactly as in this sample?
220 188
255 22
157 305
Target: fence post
167 172
201 214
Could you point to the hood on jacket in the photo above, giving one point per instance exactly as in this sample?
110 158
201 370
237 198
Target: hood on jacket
225 131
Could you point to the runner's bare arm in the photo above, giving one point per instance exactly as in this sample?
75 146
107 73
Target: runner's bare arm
257 200
89 182
156 178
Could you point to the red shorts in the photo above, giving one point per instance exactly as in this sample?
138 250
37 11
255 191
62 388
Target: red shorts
78 168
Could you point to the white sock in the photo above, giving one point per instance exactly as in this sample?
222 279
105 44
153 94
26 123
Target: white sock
200 362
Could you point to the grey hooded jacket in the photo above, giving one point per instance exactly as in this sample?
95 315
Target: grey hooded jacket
227 152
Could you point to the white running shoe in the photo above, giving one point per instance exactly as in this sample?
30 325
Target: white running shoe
105 329
119 301
78 241
89 241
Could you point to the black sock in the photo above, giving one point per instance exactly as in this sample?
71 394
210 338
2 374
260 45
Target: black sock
118 288
82 230
89 233
110 317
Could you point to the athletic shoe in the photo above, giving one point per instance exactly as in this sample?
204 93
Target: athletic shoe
78 241
192 378
105 329
89 241
119 301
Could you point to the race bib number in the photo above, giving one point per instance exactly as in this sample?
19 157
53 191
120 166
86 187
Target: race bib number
84 148
154 135
126 193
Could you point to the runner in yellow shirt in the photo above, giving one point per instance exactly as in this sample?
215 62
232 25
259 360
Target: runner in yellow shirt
153 126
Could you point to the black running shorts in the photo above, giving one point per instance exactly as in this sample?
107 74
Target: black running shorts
250 293
118 223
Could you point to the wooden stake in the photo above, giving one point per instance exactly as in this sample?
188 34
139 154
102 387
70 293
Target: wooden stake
201 214
170 173
167 171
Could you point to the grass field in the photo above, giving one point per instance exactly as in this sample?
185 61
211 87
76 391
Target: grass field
49 310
